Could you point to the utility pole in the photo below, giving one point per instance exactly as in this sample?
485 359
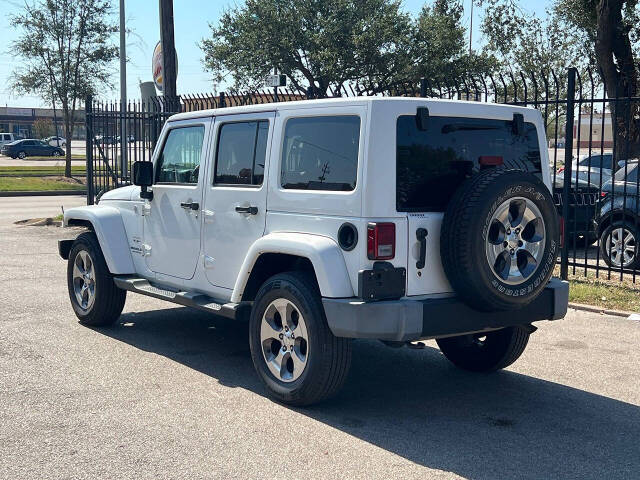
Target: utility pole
124 164
169 70
471 28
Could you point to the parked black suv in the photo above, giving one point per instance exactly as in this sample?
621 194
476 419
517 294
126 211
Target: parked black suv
30 148
617 219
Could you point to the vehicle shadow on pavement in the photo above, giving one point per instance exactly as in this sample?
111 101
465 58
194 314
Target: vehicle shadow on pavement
415 404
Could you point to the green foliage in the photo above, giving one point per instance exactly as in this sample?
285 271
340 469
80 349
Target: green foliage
66 50
43 127
332 43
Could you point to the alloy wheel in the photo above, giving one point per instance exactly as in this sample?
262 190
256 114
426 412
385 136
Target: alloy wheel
84 284
516 240
284 340
621 247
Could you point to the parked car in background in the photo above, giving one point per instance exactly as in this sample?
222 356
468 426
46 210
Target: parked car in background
579 227
590 167
130 139
30 148
8 138
56 141
617 218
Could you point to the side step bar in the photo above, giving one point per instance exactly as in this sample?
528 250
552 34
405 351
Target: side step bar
188 299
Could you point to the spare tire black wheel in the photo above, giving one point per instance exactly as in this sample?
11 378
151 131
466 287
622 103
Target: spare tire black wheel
500 239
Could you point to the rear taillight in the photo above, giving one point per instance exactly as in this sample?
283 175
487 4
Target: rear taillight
603 194
561 222
381 241
560 170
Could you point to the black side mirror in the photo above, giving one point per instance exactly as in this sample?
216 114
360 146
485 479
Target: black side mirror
143 177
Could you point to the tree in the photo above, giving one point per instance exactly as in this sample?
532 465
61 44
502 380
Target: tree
611 28
67 48
321 44
439 47
43 127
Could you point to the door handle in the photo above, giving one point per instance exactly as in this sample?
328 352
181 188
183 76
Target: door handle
249 210
421 235
190 205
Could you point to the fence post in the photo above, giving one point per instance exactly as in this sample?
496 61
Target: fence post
568 160
423 87
223 102
88 126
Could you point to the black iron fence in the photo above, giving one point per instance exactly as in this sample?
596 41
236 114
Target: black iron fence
592 136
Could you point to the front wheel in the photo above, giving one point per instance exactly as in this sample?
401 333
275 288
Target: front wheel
619 245
293 350
94 296
22 155
488 351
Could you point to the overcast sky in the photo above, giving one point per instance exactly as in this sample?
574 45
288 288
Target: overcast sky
191 25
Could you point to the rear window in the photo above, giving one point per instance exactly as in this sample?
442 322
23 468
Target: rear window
321 153
431 164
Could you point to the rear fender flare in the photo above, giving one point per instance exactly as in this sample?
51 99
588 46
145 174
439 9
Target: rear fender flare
323 253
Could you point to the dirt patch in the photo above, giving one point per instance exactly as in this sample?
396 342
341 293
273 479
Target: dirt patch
39 222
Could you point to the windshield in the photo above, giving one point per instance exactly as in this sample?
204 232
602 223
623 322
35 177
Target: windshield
631 173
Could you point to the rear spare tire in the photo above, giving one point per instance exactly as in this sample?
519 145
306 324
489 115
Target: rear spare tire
499 239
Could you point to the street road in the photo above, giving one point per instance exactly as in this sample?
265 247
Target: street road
171 393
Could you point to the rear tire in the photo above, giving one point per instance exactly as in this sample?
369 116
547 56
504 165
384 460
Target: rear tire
304 364
94 296
485 352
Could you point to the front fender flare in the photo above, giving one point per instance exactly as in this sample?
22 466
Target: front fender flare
323 253
112 236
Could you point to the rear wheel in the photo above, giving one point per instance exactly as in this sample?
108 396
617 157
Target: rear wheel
94 296
486 352
56 153
293 350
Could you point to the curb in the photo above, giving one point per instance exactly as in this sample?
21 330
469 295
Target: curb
44 193
605 311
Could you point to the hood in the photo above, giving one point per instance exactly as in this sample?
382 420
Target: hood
130 192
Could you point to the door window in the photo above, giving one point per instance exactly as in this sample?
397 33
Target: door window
179 161
321 153
241 153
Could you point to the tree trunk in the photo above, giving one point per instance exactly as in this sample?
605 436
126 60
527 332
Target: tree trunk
68 131
614 55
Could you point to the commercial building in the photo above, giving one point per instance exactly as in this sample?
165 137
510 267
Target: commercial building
21 121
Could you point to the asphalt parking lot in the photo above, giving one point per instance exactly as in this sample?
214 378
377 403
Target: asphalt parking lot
171 393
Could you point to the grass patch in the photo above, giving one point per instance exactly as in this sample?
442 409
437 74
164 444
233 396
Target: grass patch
39 184
605 294
17 171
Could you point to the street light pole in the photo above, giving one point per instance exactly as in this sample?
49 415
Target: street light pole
124 164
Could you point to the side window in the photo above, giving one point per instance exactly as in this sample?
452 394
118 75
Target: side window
321 153
595 161
241 153
179 161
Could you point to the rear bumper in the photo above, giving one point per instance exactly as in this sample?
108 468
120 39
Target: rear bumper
407 320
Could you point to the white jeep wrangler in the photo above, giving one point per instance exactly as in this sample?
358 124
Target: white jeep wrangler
322 221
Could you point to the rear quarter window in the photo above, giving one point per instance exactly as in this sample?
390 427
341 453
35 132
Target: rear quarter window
431 164
321 153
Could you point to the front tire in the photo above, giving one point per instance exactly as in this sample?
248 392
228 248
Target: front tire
293 350
619 245
22 155
94 296
486 352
